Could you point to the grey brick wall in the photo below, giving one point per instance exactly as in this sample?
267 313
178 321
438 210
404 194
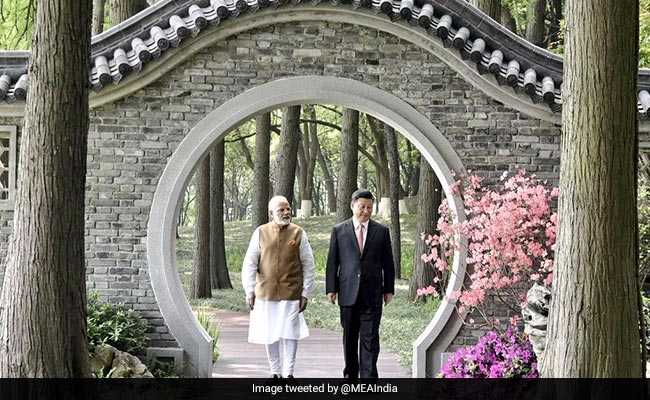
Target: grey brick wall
131 139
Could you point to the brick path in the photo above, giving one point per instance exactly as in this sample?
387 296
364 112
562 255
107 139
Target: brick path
319 356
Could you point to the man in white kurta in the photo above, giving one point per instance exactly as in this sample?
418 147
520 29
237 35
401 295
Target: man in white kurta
278 277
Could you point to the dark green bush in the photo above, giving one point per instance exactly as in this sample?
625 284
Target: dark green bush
160 369
115 325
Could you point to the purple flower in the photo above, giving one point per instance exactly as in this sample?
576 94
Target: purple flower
507 355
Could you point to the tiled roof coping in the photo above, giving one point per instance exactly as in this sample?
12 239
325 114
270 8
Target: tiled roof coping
127 48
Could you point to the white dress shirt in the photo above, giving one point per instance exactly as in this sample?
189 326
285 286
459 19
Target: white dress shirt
356 224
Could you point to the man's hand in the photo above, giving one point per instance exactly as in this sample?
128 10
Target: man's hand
332 297
251 302
303 304
387 298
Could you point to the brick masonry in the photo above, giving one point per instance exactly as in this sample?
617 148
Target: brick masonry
131 139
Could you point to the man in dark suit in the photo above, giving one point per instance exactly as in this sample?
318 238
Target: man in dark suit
361 273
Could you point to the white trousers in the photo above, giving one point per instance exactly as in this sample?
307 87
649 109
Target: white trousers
282 365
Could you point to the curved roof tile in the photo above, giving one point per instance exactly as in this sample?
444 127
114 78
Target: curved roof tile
127 47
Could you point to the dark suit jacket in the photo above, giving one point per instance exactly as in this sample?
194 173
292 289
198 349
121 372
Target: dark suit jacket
351 274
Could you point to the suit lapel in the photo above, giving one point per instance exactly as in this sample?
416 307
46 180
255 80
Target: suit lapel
350 228
372 229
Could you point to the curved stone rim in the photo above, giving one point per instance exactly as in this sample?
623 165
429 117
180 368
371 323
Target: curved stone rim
349 93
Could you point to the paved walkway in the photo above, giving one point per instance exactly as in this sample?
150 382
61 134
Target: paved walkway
319 356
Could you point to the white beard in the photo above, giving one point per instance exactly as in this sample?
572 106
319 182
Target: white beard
279 221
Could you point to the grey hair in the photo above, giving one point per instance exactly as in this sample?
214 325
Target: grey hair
274 200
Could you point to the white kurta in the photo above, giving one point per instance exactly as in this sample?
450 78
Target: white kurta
274 320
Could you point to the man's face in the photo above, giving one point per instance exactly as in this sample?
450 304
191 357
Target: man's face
282 213
362 209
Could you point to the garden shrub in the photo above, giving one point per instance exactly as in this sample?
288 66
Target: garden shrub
115 325
507 355
510 231
212 329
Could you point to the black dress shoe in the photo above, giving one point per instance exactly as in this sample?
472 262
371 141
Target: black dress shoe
276 376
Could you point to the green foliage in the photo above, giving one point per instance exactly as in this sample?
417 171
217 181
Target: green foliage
16 24
212 329
161 369
518 11
115 325
646 318
644 33
643 205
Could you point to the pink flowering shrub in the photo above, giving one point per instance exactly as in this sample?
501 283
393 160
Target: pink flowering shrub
495 355
510 232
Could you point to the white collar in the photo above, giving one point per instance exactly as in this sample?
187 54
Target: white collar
356 223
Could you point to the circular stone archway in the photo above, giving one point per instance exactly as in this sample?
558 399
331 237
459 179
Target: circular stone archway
161 239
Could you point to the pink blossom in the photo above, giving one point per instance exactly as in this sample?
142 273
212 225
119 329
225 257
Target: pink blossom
510 231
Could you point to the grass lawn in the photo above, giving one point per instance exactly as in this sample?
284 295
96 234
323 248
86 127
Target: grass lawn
402 321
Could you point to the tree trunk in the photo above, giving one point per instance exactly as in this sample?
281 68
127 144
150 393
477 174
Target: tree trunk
262 157
98 17
307 156
302 161
327 176
414 176
43 300
219 277
122 10
557 11
490 7
311 148
429 199
201 263
380 156
393 163
594 306
508 20
535 29
349 163
287 157
363 175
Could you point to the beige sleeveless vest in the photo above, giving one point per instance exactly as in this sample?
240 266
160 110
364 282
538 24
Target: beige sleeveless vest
279 273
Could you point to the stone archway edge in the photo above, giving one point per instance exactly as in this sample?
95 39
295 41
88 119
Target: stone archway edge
289 91
534 74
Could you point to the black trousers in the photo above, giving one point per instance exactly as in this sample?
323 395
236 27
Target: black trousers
360 324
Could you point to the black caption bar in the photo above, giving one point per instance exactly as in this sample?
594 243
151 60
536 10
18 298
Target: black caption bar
398 389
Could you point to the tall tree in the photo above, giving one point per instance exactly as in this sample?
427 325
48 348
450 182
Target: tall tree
262 164
594 306
490 7
219 277
287 156
308 155
201 263
394 189
507 19
98 17
412 169
429 199
121 10
535 29
380 159
327 177
556 14
347 182
43 300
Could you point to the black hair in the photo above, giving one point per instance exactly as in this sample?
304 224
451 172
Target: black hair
362 194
